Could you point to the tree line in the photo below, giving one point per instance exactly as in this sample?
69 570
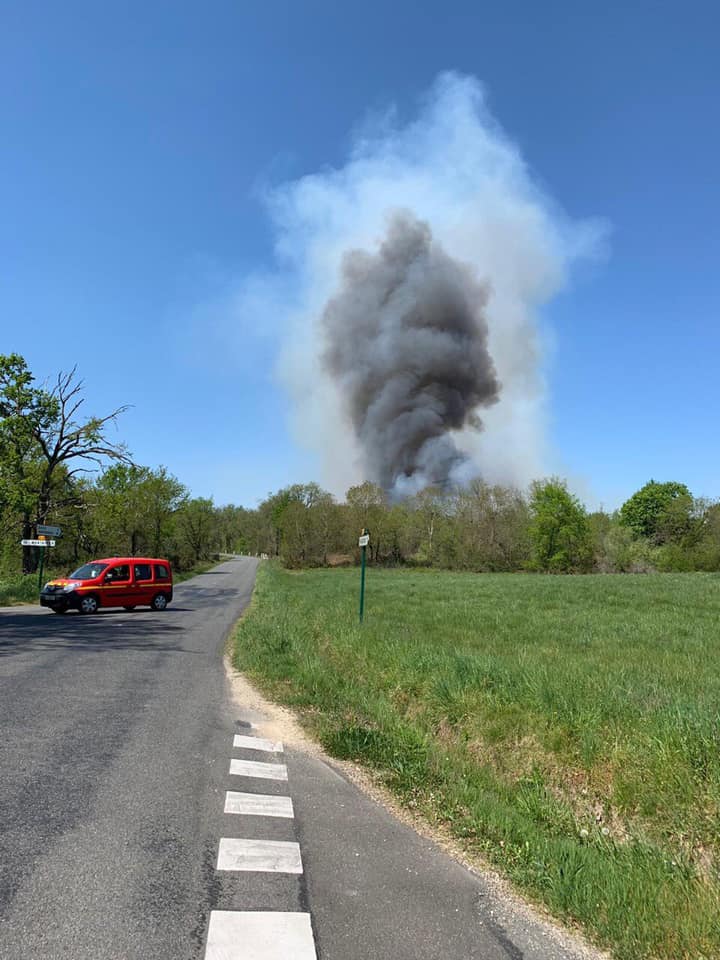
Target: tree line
485 527
58 466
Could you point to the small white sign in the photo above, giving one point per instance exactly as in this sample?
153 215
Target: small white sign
364 540
38 543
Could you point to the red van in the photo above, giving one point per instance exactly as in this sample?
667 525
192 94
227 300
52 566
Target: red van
116 582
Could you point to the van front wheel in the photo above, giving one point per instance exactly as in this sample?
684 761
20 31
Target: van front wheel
88 605
159 601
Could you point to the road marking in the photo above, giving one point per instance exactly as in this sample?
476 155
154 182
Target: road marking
258 805
263 856
234 935
255 768
257 743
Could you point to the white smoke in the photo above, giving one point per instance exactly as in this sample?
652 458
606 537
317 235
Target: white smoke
454 168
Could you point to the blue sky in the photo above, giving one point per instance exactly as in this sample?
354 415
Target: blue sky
138 139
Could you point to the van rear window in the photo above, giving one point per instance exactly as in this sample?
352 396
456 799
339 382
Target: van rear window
143 571
161 572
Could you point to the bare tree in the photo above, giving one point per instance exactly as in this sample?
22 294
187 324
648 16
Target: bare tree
68 438
47 443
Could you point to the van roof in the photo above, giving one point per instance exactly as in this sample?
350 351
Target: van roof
131 560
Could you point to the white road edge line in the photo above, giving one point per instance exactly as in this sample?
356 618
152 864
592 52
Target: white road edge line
235 935
258 805
259 856
257 743
255 768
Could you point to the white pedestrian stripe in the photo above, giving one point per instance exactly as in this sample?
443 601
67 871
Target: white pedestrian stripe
258 935
255 768
258 805
257 743
234 935
262 856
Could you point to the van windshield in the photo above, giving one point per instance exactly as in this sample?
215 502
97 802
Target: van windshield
88 571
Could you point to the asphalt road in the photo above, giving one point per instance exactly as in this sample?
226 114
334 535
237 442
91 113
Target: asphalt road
116 734
113 744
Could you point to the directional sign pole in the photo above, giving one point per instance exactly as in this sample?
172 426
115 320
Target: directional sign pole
40 569
43 542
363 542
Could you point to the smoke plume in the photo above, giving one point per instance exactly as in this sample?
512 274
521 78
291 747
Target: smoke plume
406 341
398 328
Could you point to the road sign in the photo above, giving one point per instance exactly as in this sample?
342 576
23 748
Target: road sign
38 543
363 543
45 531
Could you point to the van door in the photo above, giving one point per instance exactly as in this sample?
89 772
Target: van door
117 586
143 585
163 580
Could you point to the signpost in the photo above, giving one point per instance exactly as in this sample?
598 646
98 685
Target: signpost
44 532
363 543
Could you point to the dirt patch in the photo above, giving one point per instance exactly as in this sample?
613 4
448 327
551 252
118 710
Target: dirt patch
270 719
340 560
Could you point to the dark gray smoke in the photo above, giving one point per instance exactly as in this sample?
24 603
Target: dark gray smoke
407 346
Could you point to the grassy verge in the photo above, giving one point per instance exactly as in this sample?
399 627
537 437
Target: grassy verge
566 728
18 589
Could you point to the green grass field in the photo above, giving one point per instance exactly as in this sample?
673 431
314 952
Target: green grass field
566 728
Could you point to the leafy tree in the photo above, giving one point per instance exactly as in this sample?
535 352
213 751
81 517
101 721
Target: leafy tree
430 510
308 525
236 529
164 496
197 528
491 528
659 511
132 508
327 526
402 534
297 534
707 551
367 507
273 507
25 412
559 529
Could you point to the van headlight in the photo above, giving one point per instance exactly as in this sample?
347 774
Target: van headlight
69 587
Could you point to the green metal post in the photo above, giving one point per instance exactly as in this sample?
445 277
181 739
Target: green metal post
40 567
363 550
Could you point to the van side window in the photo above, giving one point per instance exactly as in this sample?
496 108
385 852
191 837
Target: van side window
143 571
161 572
118 573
